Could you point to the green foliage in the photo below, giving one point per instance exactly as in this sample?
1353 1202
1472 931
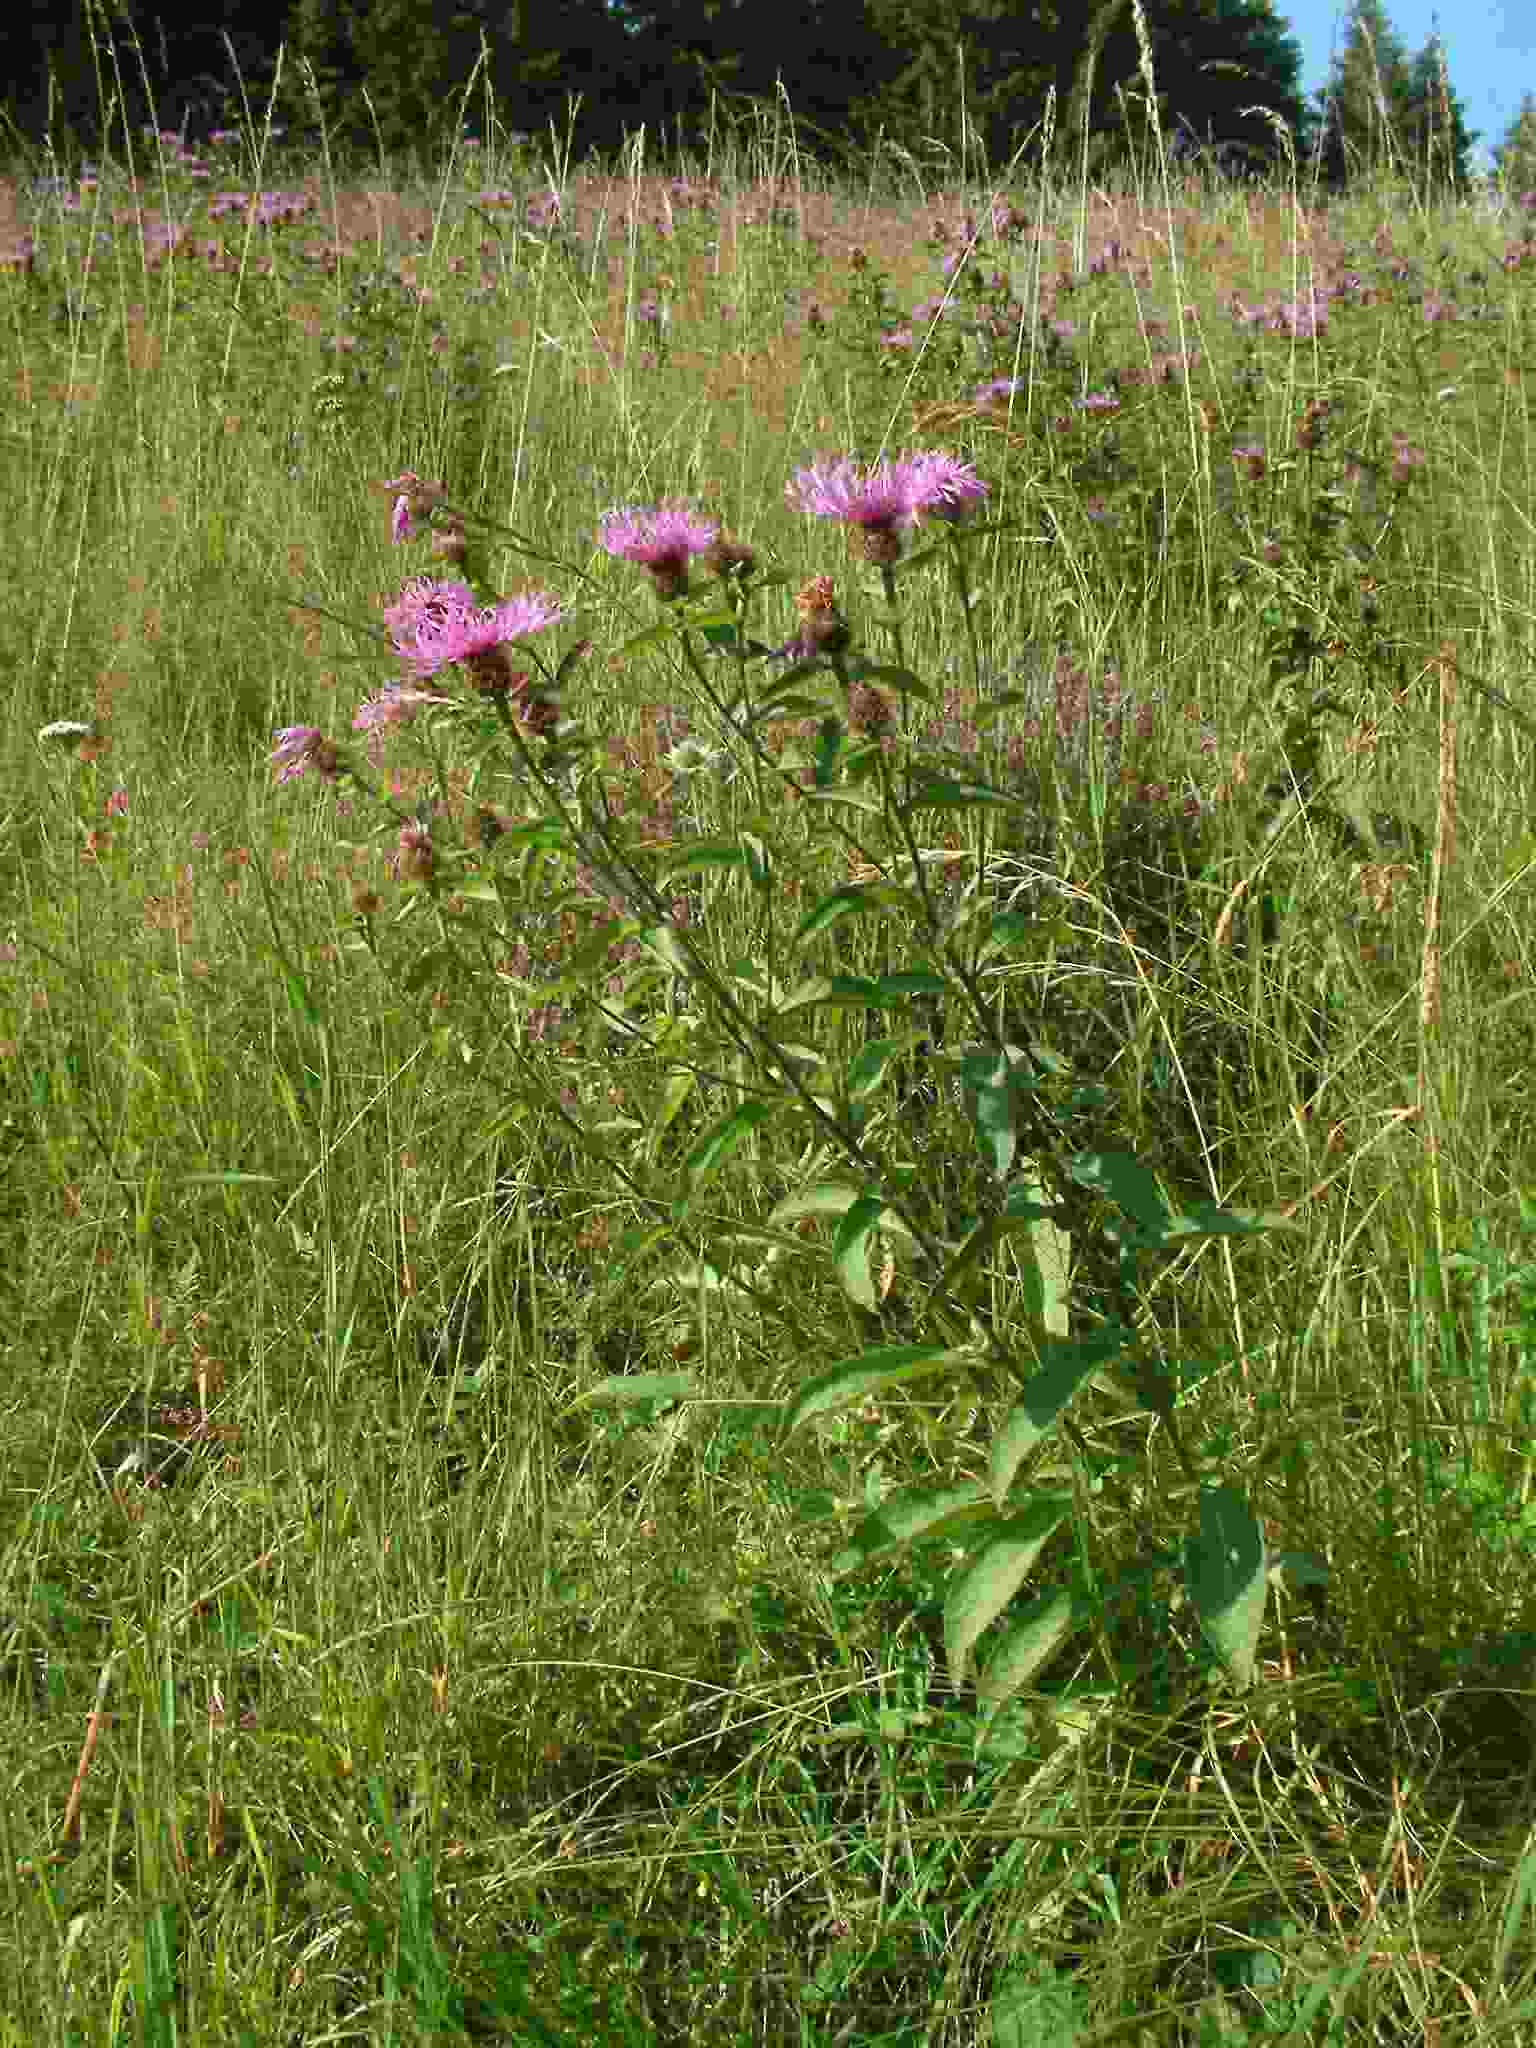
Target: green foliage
1382 110
684 1415
1514 157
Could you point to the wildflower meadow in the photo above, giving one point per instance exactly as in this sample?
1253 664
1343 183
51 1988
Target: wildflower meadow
766 1017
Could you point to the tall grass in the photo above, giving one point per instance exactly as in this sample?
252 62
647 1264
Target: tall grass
417 1622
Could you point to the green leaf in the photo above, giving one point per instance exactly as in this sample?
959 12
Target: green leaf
723 1138
1129 1185
227 1178
547 835
1032 1641
1050 1284
1206 1219
868 1067
1010 926
662 940
852 992
852 900
626 1389
1066 1364
1031 2013
831 1198
1224 1569
910 981
994 1116
856 799
850 1249
677 1091
974 1248
917 1512
827 1198
991 1578
581 963
651 636
709 853
943 793
850 1379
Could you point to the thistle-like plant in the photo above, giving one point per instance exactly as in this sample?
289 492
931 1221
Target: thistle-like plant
711 1050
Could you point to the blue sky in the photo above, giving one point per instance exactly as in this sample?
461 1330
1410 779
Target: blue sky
1490 48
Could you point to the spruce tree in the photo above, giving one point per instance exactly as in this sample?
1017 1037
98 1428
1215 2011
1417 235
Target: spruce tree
1514 160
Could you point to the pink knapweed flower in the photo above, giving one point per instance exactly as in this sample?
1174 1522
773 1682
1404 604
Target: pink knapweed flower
413 504
424 597
944 485
300 747
663 538
467 634
395 704
117 804
877 502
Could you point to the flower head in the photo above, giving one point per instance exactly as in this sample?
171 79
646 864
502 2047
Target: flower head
395 704
423 598
662 537
413 503
467 634
877 501
300 747
945 485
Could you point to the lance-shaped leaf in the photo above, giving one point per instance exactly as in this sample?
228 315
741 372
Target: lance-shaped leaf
1065 1364
887 1365
1129 1185
917 1512
989 1581
1224 1568
851 1248
1032 1641
722 1139
625 1390
852 900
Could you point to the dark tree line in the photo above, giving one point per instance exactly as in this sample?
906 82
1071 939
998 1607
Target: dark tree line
972 81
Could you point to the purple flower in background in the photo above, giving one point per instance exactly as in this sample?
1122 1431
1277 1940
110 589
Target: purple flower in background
662 537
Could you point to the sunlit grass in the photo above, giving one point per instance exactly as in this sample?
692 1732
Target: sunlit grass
435 1696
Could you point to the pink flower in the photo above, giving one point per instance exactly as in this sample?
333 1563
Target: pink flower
395 704
663 537
465 633
877 502
117 804
424 597
300 747
414 504
945 485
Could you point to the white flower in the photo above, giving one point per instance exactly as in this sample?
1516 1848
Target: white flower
66 729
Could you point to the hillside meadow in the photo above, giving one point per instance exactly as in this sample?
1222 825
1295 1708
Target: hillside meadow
765 1027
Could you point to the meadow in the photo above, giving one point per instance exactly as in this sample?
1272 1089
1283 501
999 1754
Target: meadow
765 1026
